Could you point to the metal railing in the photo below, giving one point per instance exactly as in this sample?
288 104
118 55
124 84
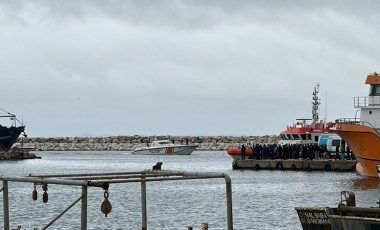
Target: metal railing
350 121
103 180
356 121
362 102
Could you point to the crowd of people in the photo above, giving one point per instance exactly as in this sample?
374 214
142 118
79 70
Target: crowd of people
296 151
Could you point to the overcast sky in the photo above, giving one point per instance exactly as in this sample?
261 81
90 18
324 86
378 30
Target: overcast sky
106 68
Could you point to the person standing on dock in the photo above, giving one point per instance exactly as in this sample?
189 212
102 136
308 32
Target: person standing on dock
337 157
243 152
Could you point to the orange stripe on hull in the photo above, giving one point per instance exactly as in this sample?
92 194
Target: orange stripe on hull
364 142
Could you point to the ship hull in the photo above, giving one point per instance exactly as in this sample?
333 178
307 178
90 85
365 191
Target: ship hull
364 142
8 136
316 218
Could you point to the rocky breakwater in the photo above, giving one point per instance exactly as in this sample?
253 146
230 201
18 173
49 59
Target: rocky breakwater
17 154
128 143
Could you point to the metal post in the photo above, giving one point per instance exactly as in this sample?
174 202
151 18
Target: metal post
6 205
229 201
84 208
143 205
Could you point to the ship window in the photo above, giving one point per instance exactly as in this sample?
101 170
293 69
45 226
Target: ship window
309 136
316 138
290 137
335 143
296 137
303 137
375 90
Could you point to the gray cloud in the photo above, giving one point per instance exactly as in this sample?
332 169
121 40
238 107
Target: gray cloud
182 67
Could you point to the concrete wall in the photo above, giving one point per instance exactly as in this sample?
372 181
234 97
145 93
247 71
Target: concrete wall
128 143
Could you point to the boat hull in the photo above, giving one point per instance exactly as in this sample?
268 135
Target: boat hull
353 223
364 142
329 219
8 136
235 153
168 150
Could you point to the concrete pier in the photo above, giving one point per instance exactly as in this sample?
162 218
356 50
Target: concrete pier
293 164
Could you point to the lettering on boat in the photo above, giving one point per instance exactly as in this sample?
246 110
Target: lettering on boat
313 217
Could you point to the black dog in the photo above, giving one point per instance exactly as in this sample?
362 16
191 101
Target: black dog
157 166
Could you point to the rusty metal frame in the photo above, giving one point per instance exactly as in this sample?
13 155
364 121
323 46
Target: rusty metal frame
102 180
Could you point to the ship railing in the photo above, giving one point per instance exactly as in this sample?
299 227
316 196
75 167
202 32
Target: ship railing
361 102
356 121
349 121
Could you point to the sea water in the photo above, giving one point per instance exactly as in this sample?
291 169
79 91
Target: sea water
261 199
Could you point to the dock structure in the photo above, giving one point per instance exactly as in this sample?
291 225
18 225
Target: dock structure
296 164
102 181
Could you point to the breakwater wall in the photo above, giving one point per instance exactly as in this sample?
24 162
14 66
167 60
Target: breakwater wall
128 143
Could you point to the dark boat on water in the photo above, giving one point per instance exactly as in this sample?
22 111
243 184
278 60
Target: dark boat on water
9 134
347 216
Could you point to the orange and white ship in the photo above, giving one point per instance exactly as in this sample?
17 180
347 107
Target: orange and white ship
307 131
362 136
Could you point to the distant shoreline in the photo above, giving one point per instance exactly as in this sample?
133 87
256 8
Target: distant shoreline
128 143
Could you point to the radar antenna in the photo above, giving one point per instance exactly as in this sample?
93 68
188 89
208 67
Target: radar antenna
315 105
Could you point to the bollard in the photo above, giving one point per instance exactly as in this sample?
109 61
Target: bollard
204 226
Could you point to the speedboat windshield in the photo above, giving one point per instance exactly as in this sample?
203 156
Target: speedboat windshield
159 143
164 142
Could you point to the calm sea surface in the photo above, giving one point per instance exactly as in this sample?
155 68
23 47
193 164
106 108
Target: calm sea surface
261 199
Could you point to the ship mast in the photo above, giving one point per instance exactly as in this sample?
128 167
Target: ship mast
315 107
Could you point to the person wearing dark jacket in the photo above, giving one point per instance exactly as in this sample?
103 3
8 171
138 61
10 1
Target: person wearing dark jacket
243 152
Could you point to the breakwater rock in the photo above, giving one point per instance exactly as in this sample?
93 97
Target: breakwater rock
17 154
128 143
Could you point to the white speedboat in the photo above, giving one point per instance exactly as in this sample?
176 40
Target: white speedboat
165 147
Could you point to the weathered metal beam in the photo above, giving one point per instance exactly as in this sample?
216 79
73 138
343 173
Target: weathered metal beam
103 180
229 201
6 205
83 174
356 211
84 208
143 206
